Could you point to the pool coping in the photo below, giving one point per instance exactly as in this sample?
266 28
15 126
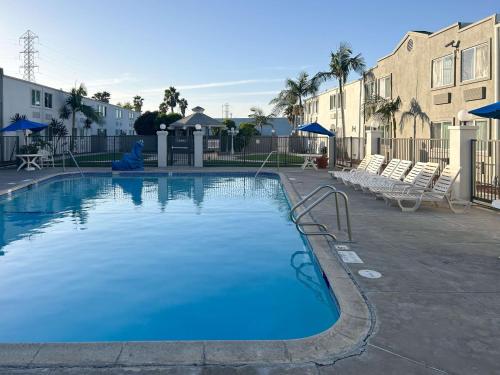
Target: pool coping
346 337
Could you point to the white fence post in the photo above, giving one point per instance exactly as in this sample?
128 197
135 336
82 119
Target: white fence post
162 148
460 157
198 148
372 141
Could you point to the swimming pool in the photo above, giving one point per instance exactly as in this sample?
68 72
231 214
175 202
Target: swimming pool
182 257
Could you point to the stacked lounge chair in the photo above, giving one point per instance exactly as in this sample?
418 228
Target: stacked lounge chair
371 170
361 167
439 193
389 178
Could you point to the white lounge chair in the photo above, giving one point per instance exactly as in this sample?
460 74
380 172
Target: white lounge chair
422 180
386 173
439 193
396 176
361 167
372 169
386 186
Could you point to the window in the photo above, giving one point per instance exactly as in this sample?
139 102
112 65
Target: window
384 87
475 62
102 110
442 71
331 102
48 100
439 130
131 115
36 97
119 113
370 89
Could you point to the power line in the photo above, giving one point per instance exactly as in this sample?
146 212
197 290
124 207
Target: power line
29 55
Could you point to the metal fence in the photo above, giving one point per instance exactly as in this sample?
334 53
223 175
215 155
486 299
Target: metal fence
96 150
238 150
418 150
349 151
485 177
9 147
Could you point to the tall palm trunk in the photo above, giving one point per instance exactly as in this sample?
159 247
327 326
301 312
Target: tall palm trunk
341 90
414 138
301 112
394 125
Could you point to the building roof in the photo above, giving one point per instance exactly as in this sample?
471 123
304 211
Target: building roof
198 118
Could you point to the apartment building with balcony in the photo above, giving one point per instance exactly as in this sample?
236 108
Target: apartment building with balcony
41 103
453 69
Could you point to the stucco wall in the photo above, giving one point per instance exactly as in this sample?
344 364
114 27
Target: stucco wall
332 119
411 72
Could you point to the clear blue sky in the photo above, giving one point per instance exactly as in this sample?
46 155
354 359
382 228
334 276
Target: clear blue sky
214 51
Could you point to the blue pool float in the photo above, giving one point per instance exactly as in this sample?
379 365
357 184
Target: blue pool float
132 161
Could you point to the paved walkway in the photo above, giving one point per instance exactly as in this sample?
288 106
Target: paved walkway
437 303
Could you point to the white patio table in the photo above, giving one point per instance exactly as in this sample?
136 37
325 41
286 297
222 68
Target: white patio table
309 160
29 160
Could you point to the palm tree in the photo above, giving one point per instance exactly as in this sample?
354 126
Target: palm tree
171 98
138 102
74 104
387 110
260 118
87 124
414 113
102 96
293 94
342 63
183 104
289 113
17 117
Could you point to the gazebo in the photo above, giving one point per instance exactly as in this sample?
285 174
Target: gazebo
187 124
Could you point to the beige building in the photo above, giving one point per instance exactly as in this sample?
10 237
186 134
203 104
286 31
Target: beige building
455 68
324 109
446 71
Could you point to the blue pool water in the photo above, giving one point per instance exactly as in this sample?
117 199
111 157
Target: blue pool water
187 257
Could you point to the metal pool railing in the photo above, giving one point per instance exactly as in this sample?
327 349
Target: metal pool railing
265 161
323 230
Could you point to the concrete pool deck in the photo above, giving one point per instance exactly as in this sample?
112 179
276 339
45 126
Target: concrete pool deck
436 304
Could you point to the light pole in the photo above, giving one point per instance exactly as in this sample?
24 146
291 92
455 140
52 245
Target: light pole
233 132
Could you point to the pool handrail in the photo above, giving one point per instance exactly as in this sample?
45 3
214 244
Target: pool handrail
265 161
74 161
324 232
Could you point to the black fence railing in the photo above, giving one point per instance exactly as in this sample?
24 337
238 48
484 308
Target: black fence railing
96 151
238 150
349 151
9 147
416 150
485 176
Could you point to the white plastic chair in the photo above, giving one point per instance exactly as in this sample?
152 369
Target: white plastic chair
46 158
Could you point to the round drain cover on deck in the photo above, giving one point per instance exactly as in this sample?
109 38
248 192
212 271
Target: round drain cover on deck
370 274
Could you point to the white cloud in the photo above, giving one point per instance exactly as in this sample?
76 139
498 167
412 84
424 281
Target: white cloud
197 86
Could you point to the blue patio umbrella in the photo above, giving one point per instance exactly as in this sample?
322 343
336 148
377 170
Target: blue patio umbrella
314 127
488 111
24 125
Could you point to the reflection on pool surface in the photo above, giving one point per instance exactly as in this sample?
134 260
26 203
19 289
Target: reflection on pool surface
187 257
